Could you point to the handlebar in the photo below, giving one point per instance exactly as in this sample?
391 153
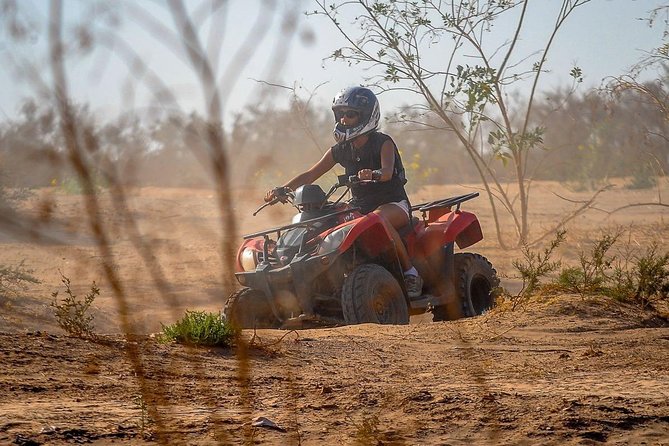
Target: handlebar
285 194
344 180
282 194
269 203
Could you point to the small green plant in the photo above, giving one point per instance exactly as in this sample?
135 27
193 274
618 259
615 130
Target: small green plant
72 312
652 276
15 278
536 265
645 281
591 276
72 185
143 408
200 328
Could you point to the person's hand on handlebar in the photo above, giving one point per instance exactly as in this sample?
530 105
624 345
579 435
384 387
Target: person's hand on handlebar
278 193
369 175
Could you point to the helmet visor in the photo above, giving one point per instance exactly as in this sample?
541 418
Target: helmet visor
350 114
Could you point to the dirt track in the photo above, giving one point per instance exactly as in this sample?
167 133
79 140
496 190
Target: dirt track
568 373
562 371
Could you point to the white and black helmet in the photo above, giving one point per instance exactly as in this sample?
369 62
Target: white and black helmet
365 103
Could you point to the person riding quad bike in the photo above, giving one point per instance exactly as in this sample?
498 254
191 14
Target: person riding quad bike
367 154
351 262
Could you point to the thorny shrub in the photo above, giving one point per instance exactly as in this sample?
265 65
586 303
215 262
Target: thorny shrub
72 312
633 275
534 266
642 277
14 278
200 328
591 276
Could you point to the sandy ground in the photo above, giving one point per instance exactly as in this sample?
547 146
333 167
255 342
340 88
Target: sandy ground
560 370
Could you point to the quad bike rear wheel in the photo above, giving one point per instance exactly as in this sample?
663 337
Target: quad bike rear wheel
371 294
248 308
475 282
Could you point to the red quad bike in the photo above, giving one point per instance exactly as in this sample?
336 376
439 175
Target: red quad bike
333 265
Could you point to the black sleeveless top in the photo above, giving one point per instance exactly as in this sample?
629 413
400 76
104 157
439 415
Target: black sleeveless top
369 196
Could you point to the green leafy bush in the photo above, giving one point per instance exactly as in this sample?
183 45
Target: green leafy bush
200 328
73 185
591 276
570 279
72 312
631 275
645 281
536 265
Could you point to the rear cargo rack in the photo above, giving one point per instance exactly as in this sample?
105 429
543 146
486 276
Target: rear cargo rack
444 203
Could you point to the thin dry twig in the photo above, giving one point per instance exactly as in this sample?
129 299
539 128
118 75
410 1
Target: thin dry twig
256 341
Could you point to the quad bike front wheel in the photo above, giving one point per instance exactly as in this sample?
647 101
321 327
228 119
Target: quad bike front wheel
248 308
371 294
475 283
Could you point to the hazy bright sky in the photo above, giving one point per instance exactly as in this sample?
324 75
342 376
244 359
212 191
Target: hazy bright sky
604 38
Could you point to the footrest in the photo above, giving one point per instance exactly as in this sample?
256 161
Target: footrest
422 302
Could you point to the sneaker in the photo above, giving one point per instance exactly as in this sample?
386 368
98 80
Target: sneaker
414 285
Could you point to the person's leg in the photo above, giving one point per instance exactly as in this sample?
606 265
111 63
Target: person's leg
395 217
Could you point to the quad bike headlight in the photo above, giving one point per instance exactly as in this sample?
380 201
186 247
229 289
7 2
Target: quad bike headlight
248 260
333 240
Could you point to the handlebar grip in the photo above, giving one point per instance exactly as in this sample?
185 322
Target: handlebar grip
354 179
282 190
